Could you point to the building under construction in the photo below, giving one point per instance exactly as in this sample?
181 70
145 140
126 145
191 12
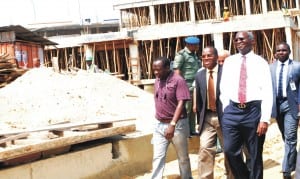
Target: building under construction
152 28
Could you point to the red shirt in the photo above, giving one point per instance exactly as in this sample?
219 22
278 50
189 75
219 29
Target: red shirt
167 94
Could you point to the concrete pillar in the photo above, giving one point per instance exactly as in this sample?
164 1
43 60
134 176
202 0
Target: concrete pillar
248 7
298 16
218 40
192 10
152 14
121 19
218 9
134 61
264 7
288 35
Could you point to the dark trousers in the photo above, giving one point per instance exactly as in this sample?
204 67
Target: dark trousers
239 127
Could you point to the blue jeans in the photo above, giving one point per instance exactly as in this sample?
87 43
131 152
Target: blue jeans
288 126
160 147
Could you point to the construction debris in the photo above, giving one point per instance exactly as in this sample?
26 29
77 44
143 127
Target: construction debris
8 69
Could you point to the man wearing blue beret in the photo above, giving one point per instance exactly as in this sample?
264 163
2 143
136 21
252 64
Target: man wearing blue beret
186 63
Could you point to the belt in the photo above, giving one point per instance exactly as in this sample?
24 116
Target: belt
244 105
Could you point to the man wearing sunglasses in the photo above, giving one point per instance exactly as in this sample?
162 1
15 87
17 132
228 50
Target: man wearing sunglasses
246 95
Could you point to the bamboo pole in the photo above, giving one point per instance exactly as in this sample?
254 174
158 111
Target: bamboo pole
150 61
168 48
114 57
177 42
81 58
126 60
66 59
106 57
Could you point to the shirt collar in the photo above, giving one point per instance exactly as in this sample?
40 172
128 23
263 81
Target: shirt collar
248 54
214 69
286 63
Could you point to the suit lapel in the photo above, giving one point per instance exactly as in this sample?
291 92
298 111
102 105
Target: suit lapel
204 86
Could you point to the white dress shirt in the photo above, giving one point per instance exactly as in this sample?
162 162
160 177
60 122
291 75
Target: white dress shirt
259 82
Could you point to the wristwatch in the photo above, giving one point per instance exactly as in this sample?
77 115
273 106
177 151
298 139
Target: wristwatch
172 123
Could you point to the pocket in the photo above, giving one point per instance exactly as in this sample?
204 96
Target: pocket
284 107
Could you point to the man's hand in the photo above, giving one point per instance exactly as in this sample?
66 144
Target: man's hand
262 128
169 132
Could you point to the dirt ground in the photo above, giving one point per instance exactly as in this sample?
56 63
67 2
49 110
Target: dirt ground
272 156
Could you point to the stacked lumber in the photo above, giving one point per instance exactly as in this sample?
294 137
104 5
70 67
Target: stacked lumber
8 70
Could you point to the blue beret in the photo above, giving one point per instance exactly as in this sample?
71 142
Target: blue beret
192 40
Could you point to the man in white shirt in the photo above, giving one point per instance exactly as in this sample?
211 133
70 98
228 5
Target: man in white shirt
246 95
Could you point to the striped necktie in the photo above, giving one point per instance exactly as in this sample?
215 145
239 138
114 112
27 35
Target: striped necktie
280 92
242 82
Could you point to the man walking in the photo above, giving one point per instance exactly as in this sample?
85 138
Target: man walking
171 93
186 64
246 95
286 80
209 111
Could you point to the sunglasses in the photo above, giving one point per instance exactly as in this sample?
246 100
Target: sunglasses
239 39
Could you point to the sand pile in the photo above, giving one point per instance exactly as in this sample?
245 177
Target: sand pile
42 97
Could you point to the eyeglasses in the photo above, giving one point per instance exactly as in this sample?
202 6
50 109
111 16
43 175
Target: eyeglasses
239 39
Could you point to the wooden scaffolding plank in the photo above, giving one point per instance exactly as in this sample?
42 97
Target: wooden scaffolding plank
63 126
72 138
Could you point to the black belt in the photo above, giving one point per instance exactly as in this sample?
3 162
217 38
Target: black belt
245 105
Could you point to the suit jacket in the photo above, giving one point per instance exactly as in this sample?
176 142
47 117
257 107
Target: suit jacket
293 96
201 95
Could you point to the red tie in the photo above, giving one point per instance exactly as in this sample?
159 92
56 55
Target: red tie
242 84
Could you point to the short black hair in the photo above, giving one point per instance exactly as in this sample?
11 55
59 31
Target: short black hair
286 44
165 61
215 51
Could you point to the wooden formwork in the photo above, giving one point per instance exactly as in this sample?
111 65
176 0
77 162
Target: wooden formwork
17 147
174 12
110 56
135 17
205 10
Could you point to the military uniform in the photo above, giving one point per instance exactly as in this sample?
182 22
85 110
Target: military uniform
188 63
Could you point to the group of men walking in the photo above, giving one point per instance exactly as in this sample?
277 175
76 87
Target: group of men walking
234 102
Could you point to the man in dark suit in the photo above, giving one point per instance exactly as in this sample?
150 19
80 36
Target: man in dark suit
209 109
286 80
246 95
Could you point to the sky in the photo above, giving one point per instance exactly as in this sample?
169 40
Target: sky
26 12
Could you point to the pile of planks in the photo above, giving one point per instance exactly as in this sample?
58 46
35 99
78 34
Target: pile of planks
9 70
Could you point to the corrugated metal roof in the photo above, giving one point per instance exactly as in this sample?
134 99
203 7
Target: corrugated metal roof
26 35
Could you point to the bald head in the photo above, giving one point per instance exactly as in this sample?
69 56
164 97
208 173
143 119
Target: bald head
222 55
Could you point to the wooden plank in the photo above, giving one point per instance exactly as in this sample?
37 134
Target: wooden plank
72 138
63 126
13 137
